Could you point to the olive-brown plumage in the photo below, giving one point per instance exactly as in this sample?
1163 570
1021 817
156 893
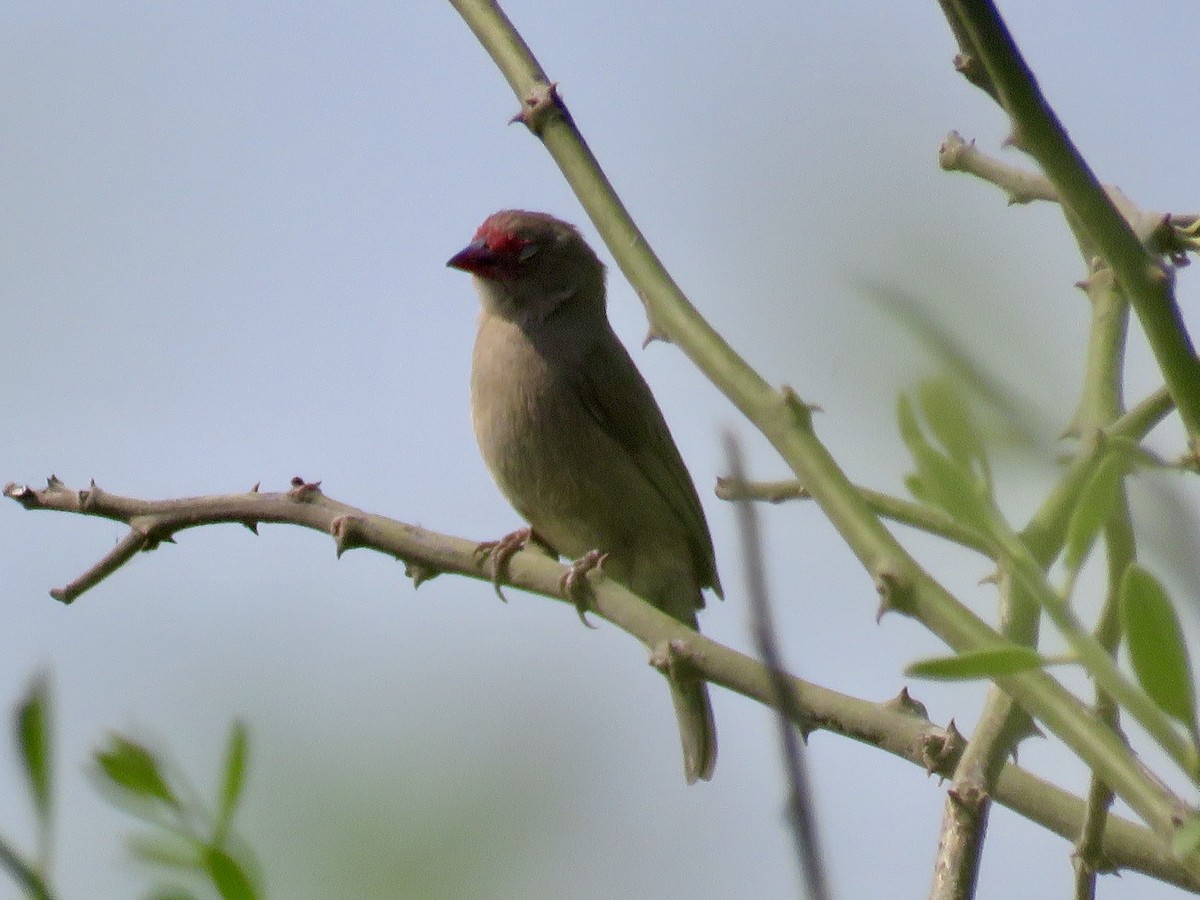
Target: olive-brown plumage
574 438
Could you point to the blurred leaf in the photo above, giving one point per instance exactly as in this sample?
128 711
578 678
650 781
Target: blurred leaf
228 876
913 483
165 848
234 780
946 413
1096 505
940 480
977 664
172 893
132 768
33 740
1156 646
1021 420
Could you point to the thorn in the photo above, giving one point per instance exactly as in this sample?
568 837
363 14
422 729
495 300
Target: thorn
905 703
420 573
251 524
254 490
652 335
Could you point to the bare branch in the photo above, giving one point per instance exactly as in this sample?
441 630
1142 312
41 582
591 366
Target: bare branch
917 515
899 727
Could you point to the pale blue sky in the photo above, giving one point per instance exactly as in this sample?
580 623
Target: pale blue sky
222 246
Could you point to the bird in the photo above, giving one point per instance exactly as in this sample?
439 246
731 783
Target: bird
574 439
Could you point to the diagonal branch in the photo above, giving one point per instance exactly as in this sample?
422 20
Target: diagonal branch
1144 279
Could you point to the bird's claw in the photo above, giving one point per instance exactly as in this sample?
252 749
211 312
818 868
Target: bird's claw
574 583
499 552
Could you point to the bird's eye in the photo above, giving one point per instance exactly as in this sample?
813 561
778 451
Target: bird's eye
528 252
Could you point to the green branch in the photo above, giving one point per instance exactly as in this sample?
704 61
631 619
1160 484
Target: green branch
1145 280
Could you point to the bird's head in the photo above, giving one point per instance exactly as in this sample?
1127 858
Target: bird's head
529 265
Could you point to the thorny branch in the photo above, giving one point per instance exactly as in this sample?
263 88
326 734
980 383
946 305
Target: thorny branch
900 726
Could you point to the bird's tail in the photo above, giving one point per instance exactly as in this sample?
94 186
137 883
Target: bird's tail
697 727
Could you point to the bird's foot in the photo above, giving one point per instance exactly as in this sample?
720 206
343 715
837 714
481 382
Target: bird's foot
574 583
498 553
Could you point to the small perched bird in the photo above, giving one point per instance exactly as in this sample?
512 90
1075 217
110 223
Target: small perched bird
574 439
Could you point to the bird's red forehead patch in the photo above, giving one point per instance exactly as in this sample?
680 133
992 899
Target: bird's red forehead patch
500 238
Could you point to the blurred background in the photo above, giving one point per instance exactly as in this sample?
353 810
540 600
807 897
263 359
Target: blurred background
223 230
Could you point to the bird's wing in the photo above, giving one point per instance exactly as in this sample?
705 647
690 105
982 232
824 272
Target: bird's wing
618 398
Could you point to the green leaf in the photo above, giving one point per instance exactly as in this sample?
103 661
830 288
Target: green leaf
235 777
916 488
940 480
228 876
1156 646
949 420
948 485
1096 505
33 741
910 430
133 768
977 664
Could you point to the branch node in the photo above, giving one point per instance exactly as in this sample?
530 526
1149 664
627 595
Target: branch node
22 493
940 749
304 491
673 658
347 533
895 592
541 105
968 794
797 407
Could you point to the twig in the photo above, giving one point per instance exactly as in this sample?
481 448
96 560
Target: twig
29 880
1169 234
801 810
917 515
1002 724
